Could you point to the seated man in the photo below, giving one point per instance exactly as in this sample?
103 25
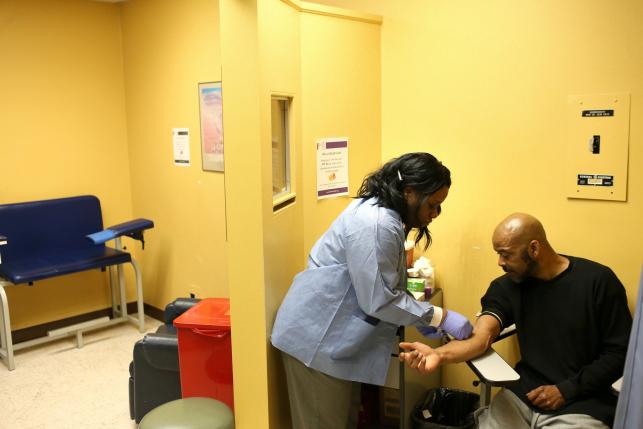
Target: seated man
573 325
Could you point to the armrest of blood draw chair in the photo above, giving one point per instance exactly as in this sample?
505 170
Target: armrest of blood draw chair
133 228
492 370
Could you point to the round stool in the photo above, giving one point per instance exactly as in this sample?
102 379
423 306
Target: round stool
189 413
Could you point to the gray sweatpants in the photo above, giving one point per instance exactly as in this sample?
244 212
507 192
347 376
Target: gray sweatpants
508 411
319 401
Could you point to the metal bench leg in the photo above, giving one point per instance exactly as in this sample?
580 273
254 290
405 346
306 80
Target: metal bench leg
5 332
112 287
139 291
139 296
485 394
79 339
121 282
122 292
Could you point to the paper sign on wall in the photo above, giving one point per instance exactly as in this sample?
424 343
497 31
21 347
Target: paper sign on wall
181 144
332 167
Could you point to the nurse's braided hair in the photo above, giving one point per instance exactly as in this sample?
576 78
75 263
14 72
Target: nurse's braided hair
419 170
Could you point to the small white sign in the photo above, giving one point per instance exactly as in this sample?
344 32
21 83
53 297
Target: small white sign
181 144
332 167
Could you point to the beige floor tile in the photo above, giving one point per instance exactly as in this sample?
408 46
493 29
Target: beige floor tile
57 386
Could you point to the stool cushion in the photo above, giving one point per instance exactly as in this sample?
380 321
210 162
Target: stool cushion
189 413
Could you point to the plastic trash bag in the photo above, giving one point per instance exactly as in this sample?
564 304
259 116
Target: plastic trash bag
443 408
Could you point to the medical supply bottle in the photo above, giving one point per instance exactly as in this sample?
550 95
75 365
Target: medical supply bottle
427 272
429 275
409 246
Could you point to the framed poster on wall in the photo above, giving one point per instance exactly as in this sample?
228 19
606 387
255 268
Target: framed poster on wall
211 113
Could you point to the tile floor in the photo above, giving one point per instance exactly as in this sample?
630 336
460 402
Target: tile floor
57 386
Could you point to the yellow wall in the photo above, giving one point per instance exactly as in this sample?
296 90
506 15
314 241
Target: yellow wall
484 87
279 63
168 48
62 113
340 63
244 199
282 67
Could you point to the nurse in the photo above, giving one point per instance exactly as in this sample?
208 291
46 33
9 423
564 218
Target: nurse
337 324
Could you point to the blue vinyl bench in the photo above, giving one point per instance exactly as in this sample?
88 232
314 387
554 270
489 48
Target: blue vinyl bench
49 238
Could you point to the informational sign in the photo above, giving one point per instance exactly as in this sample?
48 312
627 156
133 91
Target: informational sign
595 180
181 144
332 167
597 113
211 109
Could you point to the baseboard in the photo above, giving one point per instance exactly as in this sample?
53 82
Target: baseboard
153 312
37 331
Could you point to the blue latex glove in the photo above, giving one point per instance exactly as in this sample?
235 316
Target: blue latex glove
456 325
430 332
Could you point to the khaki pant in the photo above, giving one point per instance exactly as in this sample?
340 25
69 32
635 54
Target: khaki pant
508 411
319 401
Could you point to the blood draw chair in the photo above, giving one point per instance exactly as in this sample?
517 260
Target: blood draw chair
49 238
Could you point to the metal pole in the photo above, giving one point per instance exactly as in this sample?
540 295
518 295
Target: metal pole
402 390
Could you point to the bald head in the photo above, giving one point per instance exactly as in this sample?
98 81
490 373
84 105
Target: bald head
523 249
520 228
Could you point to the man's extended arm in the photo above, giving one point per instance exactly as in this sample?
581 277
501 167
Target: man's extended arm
426 359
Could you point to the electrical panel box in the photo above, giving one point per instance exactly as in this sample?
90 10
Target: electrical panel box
597 146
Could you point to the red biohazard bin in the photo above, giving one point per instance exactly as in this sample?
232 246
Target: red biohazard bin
205 352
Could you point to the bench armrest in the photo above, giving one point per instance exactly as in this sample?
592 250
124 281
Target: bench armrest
133 228
178 307
159 351
491 368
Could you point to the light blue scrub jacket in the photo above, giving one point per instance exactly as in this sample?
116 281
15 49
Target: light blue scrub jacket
629 411
341 314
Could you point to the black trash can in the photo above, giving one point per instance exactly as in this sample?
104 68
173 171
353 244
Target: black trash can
443 408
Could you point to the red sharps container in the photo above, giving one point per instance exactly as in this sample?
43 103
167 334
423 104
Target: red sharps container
205 350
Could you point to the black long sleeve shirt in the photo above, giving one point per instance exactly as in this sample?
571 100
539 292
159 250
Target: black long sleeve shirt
573 332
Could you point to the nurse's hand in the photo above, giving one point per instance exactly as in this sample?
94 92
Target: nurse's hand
456 325
430 332
420 357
